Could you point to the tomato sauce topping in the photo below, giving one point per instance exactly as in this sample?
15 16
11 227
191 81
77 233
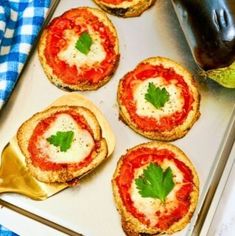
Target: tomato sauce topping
140 157
41 160
143 72
79 20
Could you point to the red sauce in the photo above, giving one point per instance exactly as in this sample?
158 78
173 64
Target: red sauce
140 157
145 71
41 160
78 20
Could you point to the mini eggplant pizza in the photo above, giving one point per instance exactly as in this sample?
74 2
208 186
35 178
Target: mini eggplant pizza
62 143
155 188
79 49
125 8
159 99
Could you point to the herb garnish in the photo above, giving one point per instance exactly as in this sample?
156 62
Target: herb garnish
62 139
84 43
155 182
156 96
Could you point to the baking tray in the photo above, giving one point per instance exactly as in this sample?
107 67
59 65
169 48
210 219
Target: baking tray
89 209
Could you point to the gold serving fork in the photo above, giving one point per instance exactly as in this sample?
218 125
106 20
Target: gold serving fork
15 177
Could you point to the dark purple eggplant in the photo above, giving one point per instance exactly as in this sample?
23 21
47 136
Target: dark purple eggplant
209 27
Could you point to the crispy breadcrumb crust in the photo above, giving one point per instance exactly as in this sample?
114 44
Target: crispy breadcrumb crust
131 225
65 174
84 85
178 131
127 8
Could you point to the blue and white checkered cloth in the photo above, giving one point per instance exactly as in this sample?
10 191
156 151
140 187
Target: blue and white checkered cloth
5 232
20 22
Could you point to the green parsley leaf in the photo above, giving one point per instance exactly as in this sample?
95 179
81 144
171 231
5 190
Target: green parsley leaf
84 43
62 139
155 182
156 96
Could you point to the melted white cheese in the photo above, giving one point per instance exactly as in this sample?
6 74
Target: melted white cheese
74 57
178 175
145 108
149 206
81 146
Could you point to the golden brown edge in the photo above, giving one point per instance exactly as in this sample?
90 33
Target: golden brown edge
75 99
166 135
65 174
54 79
130 9
131 225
